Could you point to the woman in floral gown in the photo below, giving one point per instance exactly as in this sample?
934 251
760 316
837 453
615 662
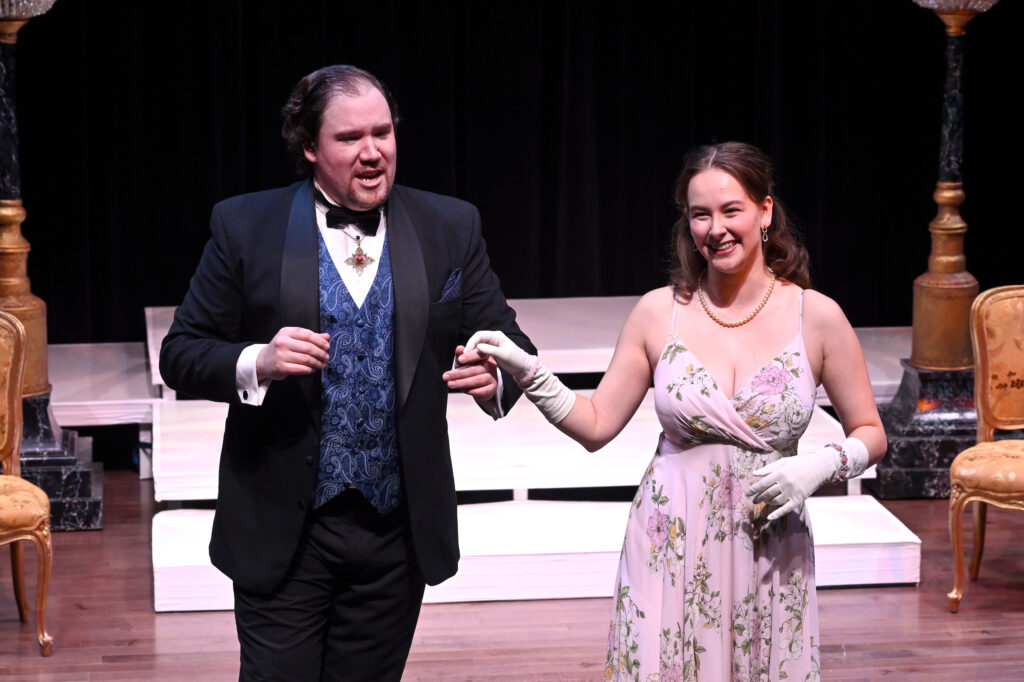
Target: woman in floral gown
716 578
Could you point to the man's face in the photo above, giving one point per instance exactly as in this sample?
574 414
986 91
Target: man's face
354 157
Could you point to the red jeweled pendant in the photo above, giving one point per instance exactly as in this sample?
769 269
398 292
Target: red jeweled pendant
359 260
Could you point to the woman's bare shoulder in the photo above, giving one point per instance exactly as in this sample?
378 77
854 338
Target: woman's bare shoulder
655 304
820 310
652 311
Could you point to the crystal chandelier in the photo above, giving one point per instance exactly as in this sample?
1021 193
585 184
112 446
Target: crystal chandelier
24 9
957 5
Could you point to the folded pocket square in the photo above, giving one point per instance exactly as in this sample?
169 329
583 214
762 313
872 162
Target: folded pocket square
453 287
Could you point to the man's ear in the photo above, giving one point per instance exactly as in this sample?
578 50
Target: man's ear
310 153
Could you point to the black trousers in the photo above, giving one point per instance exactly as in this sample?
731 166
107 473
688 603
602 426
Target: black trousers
348 607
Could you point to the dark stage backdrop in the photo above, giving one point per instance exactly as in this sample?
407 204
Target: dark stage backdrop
565 122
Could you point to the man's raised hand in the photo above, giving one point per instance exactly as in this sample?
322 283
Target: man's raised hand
293 350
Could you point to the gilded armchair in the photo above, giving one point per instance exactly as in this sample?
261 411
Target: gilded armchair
24 508
991 472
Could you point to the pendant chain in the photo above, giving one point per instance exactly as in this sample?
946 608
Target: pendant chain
359 259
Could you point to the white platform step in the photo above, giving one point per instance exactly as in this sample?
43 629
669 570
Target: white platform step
99 384
521 451
857 541
187 436
183 577
535 550
548 550
96 384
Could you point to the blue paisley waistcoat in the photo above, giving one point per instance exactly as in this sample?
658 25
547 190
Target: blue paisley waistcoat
358 443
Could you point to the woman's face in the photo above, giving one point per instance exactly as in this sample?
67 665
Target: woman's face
725 222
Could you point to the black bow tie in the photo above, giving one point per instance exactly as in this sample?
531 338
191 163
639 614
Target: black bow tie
366 221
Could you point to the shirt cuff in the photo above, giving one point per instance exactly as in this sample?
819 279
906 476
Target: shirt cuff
493 406
250 391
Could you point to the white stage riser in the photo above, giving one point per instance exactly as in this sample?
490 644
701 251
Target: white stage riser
497 564
524 549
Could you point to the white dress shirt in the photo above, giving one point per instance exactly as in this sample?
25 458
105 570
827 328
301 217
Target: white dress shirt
341 244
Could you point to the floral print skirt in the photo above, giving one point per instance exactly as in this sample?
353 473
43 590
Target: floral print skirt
707 590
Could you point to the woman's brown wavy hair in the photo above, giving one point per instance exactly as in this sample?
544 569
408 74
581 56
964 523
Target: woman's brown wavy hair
783 252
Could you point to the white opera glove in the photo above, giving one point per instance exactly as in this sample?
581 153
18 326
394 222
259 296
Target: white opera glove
787 482
551 396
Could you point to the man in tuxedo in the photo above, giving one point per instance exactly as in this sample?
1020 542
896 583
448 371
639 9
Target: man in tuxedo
329 314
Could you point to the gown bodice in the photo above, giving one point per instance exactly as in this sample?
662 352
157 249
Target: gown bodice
768 412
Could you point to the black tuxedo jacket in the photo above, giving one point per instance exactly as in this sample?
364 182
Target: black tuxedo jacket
258 273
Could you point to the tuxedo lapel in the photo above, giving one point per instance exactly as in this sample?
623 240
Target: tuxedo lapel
300 287
409 277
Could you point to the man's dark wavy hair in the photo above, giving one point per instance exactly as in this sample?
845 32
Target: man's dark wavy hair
303 112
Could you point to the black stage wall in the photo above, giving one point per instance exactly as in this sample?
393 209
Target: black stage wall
564 122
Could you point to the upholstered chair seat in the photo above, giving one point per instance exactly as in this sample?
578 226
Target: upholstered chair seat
997 467
22 504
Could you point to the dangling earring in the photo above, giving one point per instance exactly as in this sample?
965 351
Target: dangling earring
764 233
694 245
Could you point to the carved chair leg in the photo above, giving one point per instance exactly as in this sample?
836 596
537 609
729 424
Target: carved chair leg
980 516
18 580
956 534
45 559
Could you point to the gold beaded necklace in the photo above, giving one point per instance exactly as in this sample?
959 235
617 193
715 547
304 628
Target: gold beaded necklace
748 318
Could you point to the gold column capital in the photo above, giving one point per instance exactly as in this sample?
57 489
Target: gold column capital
9 29
956 20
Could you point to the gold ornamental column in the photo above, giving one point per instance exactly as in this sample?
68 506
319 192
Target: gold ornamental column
15 294
943 295
17 299
931 418
63 470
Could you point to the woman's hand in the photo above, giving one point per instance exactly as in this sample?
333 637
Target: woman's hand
787 482
551 396
510 357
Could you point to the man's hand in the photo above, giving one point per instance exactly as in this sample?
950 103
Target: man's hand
513 359
543 388
293 350
474 374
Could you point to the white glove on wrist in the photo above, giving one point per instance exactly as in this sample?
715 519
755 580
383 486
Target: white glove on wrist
542 387
787 482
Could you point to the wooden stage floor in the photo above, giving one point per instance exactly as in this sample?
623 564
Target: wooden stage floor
101 616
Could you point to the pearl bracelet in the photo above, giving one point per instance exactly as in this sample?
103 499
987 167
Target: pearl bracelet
843 473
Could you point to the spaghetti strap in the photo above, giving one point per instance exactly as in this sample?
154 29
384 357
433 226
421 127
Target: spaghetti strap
800 317
672 326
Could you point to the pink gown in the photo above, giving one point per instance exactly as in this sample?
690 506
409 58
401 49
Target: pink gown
707 589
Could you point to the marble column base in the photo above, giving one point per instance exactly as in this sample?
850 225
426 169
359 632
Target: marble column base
40 438
929 422
60 463
80 512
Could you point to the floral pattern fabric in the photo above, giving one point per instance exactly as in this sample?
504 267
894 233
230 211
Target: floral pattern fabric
708 589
